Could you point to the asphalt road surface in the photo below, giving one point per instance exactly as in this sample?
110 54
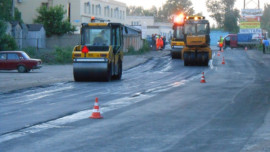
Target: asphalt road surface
158 106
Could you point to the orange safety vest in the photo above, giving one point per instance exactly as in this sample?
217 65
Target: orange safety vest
157 44
161 42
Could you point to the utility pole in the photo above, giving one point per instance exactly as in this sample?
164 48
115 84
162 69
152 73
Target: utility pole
12 9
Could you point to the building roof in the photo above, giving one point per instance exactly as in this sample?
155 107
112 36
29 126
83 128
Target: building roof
34 27
14 23
133 28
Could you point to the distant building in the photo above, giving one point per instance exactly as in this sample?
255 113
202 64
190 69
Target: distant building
140 20
36 36
78 11
148 26
16 32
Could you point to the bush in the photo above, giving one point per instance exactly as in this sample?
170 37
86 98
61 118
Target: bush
7 42
145 47
31 51
63 55
57 56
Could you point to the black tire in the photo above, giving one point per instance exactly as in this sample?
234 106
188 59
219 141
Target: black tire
120 70
109 75
186 59
21 69
205 59
173 55
199 61
192 59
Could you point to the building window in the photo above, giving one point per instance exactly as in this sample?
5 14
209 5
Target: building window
111 12
45 5
107 11
86 7
135 23
93 9
89 9
120 14
96 10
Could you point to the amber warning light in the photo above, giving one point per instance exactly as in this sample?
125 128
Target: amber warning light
179 18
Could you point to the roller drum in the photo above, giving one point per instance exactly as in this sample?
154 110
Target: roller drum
91 70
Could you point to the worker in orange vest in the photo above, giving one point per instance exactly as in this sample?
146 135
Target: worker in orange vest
157 43
161 42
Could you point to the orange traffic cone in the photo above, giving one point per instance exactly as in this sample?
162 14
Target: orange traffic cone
223 61
203 78
218 54
245 48
96 113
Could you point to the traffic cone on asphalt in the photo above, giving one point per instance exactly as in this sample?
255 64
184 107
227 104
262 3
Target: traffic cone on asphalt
245 48
203 78
223 61
96 113
218 54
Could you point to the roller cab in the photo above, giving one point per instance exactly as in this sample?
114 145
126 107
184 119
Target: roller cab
99 56
197 41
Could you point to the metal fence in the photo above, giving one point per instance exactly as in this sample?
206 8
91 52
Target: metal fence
38 43
132 40
71 41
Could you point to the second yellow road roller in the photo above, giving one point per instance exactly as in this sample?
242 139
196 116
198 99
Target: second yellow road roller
99 56
197 49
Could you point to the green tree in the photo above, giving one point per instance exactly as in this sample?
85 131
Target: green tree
136 11
7 42
223 12
5 13
5 7
231 20
53 21
265 21
172 7
139 11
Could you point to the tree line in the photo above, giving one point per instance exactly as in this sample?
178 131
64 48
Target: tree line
222 11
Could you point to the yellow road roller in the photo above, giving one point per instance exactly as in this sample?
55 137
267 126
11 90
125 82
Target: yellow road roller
177 41
99 56
197 49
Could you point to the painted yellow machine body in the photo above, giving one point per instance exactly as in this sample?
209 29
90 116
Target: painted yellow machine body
197 49
100 54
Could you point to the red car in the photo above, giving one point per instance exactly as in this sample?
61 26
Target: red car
18 60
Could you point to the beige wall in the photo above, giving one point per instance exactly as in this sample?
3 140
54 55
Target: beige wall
28 9
74 10
78 14
106 9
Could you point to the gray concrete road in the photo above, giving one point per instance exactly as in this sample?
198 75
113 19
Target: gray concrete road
50 74
159 105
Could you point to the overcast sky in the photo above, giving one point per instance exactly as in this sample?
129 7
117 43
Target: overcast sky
199 5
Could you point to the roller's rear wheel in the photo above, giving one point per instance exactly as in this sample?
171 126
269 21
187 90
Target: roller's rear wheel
109 75
120 69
